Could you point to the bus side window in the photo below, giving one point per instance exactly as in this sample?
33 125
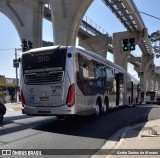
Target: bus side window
110 81
104 76
84 70
100 76
86 77
97 75
83 67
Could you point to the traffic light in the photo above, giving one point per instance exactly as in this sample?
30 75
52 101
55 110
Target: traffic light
129 44
132 43
30 45
24 45
140 74
125 45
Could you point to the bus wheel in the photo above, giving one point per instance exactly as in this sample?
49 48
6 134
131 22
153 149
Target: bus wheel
105 106
60 117
1 117
98 108
129 101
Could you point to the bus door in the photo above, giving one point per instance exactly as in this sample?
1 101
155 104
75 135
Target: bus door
117 76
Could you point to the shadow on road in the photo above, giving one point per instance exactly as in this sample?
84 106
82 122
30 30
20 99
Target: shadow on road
102 127
138 125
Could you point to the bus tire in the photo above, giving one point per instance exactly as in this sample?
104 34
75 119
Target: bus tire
106 105
1 117
129 100
98 108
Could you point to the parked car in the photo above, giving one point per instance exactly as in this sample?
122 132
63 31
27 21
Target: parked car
2 111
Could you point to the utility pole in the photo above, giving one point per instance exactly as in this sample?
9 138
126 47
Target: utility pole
16 65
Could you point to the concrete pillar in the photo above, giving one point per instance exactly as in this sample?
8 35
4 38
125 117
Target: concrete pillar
159 83
66 18
97 44
151 85
26 17
151 73
150 81
153 80
137 68
156 82
37 24
145 62
157 71
133 60
147 81
120 58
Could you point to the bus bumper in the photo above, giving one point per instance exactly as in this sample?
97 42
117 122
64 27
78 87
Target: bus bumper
61 110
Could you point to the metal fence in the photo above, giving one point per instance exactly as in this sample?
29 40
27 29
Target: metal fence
91 27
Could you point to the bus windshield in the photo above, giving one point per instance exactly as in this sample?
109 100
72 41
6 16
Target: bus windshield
150 93
44 60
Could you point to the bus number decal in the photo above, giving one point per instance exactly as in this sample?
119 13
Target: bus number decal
43 59
56 88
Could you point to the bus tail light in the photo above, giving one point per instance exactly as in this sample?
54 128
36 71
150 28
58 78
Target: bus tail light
22 98
71 96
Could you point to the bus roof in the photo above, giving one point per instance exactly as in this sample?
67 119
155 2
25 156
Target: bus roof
83 51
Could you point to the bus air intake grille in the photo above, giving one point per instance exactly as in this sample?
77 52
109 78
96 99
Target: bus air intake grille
43 78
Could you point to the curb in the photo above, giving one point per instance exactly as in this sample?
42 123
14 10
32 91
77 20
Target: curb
16 109
117 142
113 142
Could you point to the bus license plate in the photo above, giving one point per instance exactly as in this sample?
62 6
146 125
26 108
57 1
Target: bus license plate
43 98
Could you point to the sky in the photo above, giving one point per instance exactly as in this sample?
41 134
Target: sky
98 12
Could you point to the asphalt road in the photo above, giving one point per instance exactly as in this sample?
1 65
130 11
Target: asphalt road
25 132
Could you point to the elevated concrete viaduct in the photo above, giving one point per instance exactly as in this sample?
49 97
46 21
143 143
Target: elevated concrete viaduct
66 18
98 44
127 12
26 17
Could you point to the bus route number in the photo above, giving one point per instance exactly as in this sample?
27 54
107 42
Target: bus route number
43 59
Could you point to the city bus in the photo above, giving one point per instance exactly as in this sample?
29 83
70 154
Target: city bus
68 81
150 97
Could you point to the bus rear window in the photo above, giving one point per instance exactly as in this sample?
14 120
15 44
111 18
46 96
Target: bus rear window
44 60
150 93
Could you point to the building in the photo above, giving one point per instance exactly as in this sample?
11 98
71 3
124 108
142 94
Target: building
7 89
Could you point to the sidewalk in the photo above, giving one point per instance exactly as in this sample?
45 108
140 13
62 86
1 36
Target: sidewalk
140 136
14 106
